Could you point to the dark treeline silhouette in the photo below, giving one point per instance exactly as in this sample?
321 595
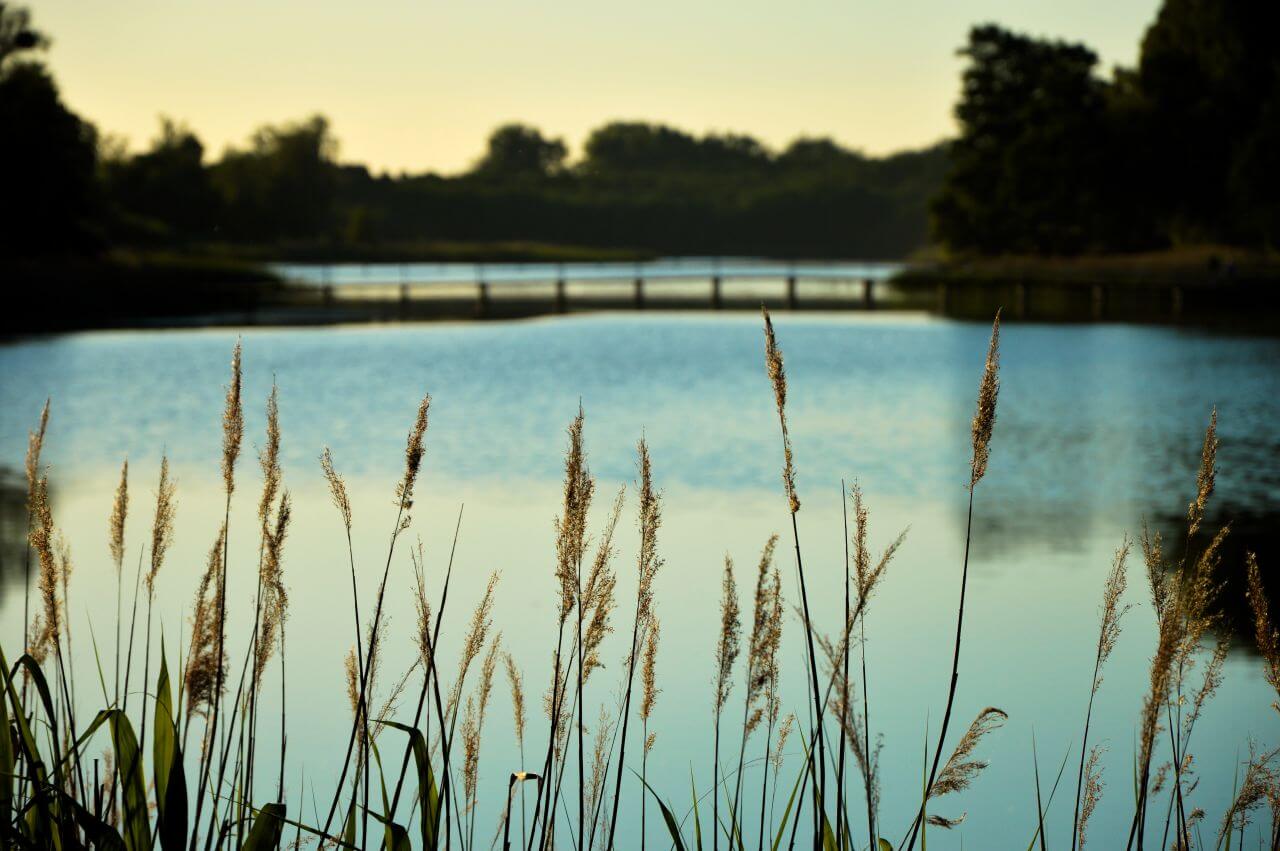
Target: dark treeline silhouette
1054 159
638 186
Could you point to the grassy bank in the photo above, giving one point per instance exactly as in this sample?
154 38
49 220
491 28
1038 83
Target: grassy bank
184 730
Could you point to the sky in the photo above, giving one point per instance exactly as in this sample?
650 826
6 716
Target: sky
417 85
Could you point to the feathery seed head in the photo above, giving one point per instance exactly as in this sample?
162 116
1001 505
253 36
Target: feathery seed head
119 510
984 419
232 423
778 378
648 675
162 526
337 488
730 631
413 451
1206 476
516 682
960 771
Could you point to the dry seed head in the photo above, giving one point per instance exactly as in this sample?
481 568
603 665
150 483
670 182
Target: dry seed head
1264 629
1168 635
571 527
727 647
1209 684
202 659
353 680
162 525
598 596
275 597
984 418
516 682
1112 611
269 458
1205 477
960 771
650 519
41 538
762 646
119 510
778 378
1093 786
470 751
481 621
648 742
947 823
413 452
423 607
232 423
648 675
487 669
337 488
599 757
1259 778
1157 577
35 445
783 732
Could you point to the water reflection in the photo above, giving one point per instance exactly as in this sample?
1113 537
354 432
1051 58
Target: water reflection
13 528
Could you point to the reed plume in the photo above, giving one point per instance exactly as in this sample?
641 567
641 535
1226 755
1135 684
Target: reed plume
598 595
275 596
207 612
48 579
762 647
984 418
1093 786
516 681
1260 777
119 511
1108 635
1206 476
960 771
984 421
571 527
1264 630
413 452
470 753
727 649
648 671
477 633
337 488
647 565
33 632
162 525
784 732
232 423
599 768
778 378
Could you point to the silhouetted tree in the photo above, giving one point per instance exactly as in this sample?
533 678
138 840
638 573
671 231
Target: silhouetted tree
518 150
168 183
1026 169
283 186
47 153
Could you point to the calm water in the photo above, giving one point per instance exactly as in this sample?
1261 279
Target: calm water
1098 427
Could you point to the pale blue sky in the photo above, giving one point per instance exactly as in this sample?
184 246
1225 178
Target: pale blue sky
418 84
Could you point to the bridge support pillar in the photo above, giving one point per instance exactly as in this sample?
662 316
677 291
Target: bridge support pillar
638 284
562 297
1175 301
792 302
1098 301
482 300
404 301
868 302
715 292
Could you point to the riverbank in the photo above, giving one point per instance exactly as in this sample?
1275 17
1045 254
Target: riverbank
1210 284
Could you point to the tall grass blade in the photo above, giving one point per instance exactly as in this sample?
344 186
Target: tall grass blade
137 827
267 827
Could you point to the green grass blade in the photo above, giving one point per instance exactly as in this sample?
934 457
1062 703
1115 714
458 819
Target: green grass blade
673 825
137 827
267 827
428 795
697 819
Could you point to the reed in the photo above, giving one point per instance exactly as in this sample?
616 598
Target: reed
53 795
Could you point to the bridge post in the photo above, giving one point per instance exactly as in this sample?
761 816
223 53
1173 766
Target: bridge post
482 299
791 292
326 295
404 301
638 284
867 302
1098 302
562 296
1175 301
715 292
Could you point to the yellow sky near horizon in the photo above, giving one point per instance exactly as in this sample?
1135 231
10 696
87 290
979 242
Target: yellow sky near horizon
411 85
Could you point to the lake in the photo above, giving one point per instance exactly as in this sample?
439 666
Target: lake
1099 426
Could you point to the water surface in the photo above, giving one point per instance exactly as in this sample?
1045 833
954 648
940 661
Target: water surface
1099 426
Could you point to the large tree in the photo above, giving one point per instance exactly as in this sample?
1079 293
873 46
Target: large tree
1025 173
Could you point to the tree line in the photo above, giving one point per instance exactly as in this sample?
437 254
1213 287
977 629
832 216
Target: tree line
1051 158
